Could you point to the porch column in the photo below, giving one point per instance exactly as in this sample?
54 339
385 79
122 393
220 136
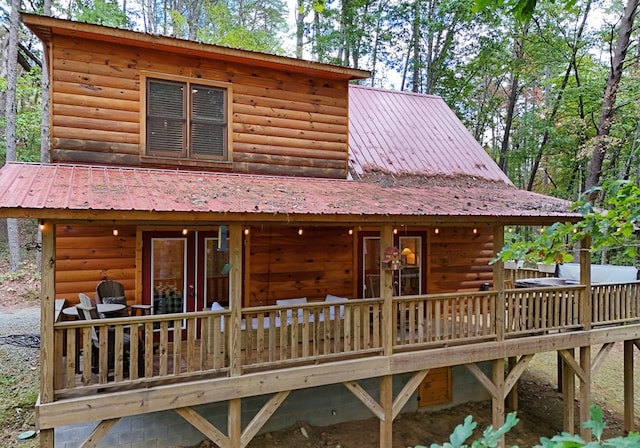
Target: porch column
386 292
235 298
498 282
585 279
47 312
386 382
234 417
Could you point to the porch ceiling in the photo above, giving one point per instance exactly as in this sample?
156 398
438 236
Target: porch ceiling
113 193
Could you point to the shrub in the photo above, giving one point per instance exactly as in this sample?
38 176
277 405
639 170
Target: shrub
491 438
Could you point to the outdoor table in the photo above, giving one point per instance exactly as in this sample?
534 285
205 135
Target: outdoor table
103 308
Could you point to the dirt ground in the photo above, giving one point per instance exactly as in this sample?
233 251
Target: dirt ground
540 404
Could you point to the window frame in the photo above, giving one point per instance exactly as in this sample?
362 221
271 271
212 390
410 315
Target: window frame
189 158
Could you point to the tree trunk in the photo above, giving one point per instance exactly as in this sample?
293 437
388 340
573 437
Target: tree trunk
416 47
514 94
556 104
610 93
10 131
299 28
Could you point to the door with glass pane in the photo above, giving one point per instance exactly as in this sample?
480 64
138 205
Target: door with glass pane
213 269
407 281
183 273
169 272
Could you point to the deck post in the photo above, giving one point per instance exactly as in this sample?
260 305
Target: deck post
585 390
498 282
585 279
497 399
47 312
567 384
234 423
628 387
386 401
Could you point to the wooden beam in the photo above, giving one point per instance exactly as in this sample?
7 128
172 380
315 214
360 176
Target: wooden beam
262 417
365 398
484 380
407 391
386 401
629 392
516 372
204 426
601 356
571 362
98 433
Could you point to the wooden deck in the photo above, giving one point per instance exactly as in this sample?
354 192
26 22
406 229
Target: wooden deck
144 351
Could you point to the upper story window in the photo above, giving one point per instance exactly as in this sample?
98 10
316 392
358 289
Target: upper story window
187 120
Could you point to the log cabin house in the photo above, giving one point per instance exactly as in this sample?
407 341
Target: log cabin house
289 237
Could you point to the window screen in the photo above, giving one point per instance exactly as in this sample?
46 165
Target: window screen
186 120
166 119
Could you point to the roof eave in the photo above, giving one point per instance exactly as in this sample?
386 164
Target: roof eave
46 27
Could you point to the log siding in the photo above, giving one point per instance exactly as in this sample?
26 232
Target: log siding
281 123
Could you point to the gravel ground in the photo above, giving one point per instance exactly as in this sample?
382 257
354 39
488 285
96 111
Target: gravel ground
19 321
19 373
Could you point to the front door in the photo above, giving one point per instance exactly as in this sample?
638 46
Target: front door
184 271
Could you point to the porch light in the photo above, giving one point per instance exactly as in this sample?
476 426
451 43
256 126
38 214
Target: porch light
395 231
300 231
350 231
246 231
436 231
185 231
475 231
41 225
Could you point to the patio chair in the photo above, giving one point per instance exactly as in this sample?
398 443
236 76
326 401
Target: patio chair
111 291
88 312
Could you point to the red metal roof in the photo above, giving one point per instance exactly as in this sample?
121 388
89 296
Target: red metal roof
408 133
96 192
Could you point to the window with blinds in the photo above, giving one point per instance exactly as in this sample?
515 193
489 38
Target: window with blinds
186 120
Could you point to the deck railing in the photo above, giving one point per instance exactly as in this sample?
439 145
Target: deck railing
433 319
136 351
615 302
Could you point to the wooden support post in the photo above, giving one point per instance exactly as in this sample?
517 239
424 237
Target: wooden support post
386 402
567 379
235 299
497 400
47 312
234 423
498 282
585 390
585 279
512 396
386 292
628 387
